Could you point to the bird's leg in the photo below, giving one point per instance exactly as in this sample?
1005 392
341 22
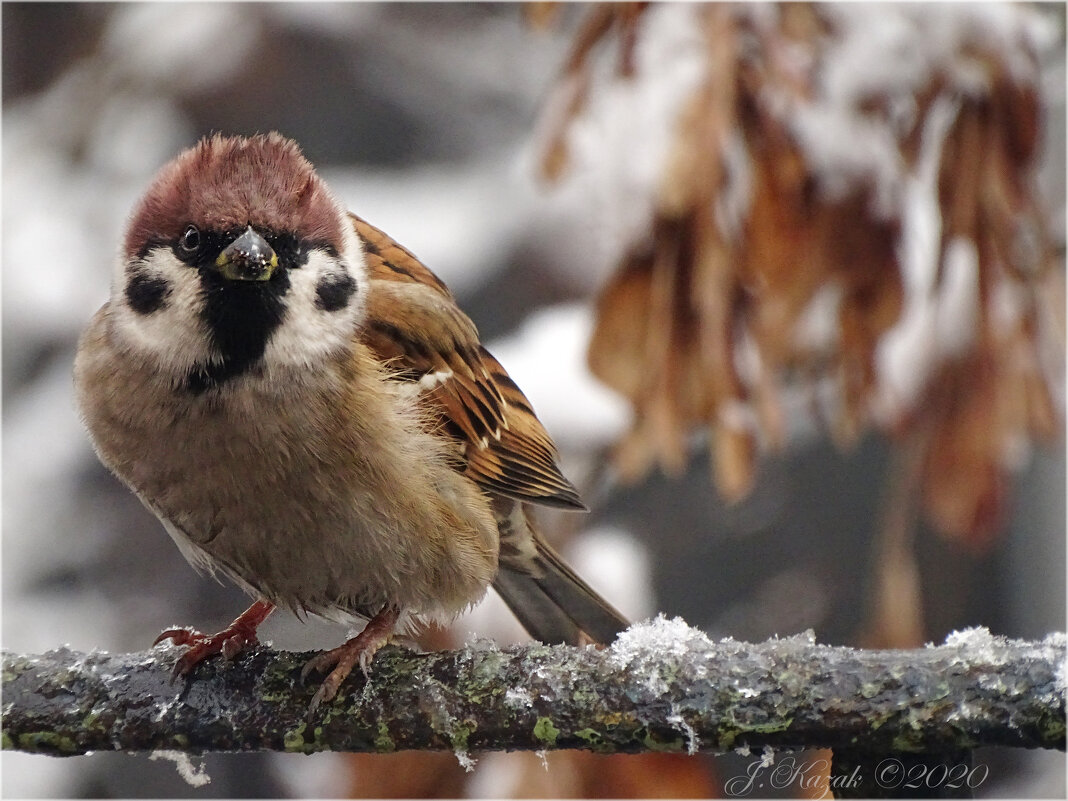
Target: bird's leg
343 659
229 642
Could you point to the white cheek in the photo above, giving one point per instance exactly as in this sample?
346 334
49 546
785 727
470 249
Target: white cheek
175 335
308 333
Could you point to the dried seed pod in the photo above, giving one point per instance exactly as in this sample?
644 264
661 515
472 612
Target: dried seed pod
797 170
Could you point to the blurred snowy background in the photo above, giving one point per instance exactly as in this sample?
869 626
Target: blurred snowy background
423 118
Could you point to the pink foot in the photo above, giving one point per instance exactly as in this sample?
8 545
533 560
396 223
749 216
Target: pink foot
341 660
229 642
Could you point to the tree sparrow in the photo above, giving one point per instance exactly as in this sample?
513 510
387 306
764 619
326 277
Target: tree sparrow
306 409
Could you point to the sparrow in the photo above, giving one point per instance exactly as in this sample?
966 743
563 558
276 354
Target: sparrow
306 409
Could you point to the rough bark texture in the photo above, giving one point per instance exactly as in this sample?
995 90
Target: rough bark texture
661 686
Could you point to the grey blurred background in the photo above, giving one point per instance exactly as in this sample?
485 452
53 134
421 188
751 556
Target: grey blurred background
420 116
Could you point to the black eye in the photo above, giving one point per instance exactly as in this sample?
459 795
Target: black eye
189 244
289 250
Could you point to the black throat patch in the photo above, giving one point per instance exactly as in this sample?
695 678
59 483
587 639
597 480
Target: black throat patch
241 317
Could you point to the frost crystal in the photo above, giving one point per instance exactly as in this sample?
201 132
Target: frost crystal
978 644
518 698
1058 640
476 642
658 637
767 757
194 775
676 719
645 648
467 762
979 636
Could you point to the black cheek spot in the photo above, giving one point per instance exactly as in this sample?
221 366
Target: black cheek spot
334 291
147 293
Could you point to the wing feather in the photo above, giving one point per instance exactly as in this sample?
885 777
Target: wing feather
415 327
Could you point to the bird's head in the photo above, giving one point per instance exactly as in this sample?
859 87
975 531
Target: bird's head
237 260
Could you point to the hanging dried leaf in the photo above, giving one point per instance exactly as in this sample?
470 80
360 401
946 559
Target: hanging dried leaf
801 165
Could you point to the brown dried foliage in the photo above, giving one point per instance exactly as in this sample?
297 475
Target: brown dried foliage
686 302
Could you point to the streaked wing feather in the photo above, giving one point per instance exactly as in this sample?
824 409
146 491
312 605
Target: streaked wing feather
389 261
416 328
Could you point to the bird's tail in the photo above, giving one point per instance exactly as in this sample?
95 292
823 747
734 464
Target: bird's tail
545 594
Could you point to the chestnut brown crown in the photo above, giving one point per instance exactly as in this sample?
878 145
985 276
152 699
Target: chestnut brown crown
228 182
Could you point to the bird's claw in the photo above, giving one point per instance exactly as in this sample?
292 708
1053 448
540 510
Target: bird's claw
179 636
340 661
319 663
324 693
229 642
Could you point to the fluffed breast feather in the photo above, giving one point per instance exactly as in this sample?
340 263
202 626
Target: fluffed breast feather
415 328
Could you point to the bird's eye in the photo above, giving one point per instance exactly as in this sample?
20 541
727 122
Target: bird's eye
189 244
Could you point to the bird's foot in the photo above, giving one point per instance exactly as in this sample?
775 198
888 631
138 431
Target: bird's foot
341 660
229 642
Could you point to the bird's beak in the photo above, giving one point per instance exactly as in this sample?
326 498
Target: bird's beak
247 258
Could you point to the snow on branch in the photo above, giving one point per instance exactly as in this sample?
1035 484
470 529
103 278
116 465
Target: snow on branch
661 686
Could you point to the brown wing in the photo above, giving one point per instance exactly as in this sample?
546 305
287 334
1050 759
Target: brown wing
414 325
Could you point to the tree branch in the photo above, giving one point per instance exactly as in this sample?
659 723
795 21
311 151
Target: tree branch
661 686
